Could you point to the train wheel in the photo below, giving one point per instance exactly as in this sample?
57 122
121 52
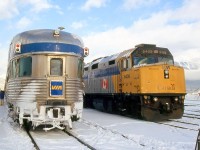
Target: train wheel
74 118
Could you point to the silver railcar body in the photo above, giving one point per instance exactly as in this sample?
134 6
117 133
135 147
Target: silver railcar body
44 77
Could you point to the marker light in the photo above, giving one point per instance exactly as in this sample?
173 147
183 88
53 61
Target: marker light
18 48
166 74
86 51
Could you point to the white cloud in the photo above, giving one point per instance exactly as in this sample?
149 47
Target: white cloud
133 4
23 23
38 5
11 8
94 3
189 12
8 9
77 25
181 38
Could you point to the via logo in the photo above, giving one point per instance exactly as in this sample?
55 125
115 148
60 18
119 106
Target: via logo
56 88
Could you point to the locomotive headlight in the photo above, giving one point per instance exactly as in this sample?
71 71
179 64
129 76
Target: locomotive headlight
176 99
155 99
166 72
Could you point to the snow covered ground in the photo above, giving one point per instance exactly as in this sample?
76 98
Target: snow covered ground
103 131
11 136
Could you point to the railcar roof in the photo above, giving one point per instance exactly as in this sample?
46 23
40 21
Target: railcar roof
109 58
46 41
46 35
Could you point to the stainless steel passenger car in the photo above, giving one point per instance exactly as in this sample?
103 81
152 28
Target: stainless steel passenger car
44 78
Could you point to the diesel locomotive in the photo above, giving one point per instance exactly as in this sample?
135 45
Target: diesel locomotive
44 84
142 81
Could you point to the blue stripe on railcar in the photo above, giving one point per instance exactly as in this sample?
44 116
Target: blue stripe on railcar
50 47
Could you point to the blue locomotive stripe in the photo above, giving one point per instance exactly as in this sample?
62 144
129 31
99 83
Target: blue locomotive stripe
102 72
50 47
107 72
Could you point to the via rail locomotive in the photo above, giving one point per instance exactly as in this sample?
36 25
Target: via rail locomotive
44 84
142 82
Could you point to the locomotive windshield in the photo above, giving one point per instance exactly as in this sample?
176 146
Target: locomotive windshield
150 54
139 60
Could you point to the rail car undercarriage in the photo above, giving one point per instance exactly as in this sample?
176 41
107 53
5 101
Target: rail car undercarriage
150 108
60 117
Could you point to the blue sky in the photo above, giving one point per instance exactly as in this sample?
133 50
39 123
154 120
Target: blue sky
108 26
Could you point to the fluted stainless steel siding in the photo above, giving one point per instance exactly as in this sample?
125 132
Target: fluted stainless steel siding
73 89
36 90
26 90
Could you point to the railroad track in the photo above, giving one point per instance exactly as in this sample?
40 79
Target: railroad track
110 130
176 126
190 119
180 124
70 133
32 139
38 136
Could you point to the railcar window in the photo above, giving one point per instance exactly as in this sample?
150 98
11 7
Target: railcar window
25 66
111 62
80 68
14 68
86 69
94 66
56 66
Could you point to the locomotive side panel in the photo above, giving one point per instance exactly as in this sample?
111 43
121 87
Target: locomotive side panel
99 81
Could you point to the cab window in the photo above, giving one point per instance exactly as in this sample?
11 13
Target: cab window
166 59
144 60
80 68
25 66
56 67
14 68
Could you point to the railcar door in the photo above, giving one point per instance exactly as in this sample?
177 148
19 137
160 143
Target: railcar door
56 77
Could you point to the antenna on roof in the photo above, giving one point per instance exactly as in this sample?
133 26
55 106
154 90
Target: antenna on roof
61 28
